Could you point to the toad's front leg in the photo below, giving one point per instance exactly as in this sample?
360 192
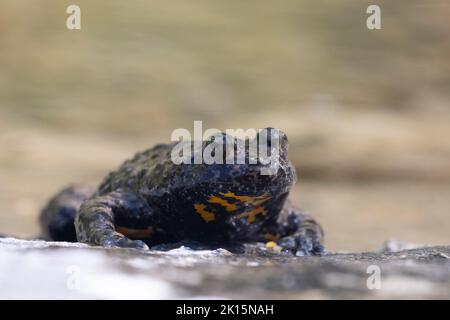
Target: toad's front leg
98 218
298 233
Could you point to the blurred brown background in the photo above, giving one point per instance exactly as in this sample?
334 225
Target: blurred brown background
367 112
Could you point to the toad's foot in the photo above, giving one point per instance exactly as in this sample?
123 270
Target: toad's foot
117 240
299 245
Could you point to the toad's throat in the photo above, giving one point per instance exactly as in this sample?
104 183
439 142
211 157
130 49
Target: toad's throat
249 206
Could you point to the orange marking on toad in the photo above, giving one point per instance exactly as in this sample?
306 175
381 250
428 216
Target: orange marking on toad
271 237
251 200
251 215
207 216
230 207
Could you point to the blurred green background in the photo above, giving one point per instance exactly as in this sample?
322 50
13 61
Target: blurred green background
367 112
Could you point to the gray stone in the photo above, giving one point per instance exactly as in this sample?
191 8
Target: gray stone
58 270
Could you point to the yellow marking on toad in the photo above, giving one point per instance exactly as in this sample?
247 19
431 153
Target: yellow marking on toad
273 245
230 207
135 233
206 215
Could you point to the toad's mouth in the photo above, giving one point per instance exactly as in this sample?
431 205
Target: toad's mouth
240 206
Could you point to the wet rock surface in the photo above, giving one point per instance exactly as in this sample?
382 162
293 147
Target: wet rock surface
50 270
